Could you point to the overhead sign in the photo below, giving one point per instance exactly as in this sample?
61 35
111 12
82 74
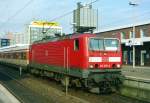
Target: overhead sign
133 42
44 23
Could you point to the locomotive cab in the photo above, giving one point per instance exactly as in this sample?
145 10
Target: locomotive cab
104 64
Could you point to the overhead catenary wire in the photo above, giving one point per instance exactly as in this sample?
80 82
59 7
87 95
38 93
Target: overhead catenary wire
93 2
59 17
17 12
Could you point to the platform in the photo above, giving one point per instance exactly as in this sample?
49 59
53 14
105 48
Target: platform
138 73
6 96
136 83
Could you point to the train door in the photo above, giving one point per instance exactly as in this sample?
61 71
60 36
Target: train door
143 56
76 53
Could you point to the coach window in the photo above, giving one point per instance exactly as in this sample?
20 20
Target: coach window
76 44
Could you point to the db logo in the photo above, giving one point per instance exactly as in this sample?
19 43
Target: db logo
105 59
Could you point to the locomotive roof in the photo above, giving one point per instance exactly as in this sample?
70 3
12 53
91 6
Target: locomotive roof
17 47
70 36
83 35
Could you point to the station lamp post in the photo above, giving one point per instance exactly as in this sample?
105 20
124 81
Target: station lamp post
133 32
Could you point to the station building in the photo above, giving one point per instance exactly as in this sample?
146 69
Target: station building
141 40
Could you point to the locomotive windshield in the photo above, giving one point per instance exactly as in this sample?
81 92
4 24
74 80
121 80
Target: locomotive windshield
111 44
97 44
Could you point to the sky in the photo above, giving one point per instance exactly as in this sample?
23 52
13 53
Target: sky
17 14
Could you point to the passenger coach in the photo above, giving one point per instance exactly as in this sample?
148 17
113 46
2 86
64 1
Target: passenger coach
16 55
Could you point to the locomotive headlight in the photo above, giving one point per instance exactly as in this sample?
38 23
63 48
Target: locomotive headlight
118 65
91 66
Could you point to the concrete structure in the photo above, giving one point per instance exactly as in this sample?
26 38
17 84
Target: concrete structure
142 42
136 83
6 96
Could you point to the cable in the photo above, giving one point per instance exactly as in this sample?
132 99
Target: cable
93 2
17 12
61 16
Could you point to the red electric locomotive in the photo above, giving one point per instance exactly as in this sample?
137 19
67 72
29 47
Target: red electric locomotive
89 61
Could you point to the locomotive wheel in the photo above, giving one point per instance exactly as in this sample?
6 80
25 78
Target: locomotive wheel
94 90
105 88
76 83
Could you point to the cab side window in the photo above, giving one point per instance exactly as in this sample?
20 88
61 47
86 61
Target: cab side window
76 44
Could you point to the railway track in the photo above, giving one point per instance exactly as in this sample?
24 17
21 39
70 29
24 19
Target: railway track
23 93
13 93
33 87
27 92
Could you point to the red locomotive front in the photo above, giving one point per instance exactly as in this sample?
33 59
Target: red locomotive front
104 53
